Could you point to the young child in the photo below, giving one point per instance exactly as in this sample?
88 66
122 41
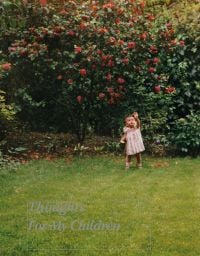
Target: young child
123 138
133 139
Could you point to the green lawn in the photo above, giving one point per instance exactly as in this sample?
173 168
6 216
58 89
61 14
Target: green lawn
91 206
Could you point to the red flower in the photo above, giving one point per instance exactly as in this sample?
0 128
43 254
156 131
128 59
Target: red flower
99 52
102 96
156 60
170 89
23 52
125 60
169 25
143 36
77 49
112 40
117 21
79 98
120 42
151 17
6 66
103 31
182 43
59 77
153 49
131 45
84 17
120 11
117 95
110 63
173 42
82 26
157 88
110 89
120 80
71 33
108 6
152 70
70 81
109 77
12 49
43 2
83 72
142 4
104 58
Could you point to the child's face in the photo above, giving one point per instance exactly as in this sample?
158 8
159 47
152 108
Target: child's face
130 122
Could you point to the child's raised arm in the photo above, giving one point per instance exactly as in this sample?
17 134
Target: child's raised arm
135 115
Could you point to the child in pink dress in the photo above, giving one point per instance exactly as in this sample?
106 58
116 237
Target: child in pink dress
133 139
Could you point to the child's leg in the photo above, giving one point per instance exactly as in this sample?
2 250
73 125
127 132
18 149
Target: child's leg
128 161
139 159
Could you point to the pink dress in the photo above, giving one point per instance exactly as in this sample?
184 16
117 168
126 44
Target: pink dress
134 142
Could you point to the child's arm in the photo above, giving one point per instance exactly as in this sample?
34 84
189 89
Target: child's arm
135 114
123 138
125 129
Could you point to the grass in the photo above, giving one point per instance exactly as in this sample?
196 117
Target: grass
153 211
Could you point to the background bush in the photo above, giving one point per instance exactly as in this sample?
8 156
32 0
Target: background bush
185 134
83 67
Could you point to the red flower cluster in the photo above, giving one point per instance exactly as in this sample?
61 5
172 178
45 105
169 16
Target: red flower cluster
71 33
83 72
79 98
59 77
70 81
6 66
157 88
152 70
43 2
125 61
77 49
110 90
170 89
120 80
103 31
131 45
153 49
181 43
114 98
101 96
156 60
108 77
108 6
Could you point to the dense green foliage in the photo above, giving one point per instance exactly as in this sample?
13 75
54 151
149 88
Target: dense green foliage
6 110
82 68
186 135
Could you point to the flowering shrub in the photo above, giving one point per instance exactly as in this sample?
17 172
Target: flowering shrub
88 63
6 111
